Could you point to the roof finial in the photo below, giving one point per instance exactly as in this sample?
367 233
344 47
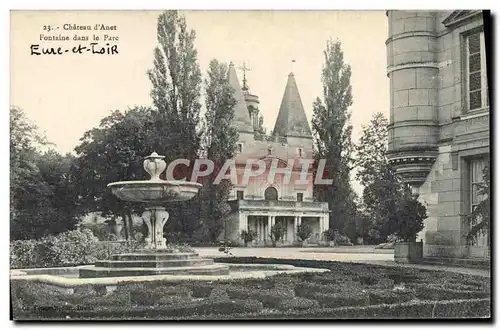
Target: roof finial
244 69
291 67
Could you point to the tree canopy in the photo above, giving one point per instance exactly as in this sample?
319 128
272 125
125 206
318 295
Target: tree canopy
332 135
41 191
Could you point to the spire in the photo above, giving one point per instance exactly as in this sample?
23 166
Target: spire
292 120
244 69
241 120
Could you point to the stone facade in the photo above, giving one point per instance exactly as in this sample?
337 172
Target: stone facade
439 119
261 203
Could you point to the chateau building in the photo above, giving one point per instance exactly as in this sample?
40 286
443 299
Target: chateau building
439 120
260 202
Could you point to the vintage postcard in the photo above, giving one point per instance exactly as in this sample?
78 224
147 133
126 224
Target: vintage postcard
250 165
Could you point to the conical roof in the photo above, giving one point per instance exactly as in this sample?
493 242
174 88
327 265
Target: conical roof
292 120
241 120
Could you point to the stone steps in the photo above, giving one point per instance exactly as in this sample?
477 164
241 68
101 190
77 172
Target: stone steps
158 263
212 269
155 256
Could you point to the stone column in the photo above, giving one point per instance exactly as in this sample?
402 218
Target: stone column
243 222
261 232
295 221
270 223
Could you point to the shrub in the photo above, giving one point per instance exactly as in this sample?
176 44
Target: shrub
435 293
277 233
269 298
73 247
308 289
76 247
22 253
410 218
296 303
116 298
333 235
201 291
248 236
344 298
303 232
378 296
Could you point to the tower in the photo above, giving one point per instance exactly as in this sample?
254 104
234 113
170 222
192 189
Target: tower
252 102
412 68
241 121
291 122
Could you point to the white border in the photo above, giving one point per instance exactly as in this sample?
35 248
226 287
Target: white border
185 4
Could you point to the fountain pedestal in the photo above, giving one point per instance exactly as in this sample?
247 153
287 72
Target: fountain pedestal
155 219
156 258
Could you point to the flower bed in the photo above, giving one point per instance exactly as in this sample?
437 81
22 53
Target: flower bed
348 291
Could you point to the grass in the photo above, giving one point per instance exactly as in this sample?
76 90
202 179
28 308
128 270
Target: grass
347 291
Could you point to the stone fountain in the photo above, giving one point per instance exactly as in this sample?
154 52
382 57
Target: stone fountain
156 258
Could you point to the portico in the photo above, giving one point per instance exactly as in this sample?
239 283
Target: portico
261 215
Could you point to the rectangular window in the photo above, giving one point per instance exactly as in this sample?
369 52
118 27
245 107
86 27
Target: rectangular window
240 147
300 197
300 152
239 194
476 78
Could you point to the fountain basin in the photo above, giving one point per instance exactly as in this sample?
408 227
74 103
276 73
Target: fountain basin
155 191
66 278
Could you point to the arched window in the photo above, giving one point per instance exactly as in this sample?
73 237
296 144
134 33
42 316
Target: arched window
271 194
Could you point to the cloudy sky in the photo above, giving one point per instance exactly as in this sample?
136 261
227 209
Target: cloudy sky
66 95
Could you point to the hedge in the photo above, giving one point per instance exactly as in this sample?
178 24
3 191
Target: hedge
470 308
190 308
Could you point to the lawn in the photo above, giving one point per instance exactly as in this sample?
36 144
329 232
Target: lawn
348 291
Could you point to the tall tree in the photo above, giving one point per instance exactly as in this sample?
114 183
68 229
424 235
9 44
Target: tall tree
332 136
371 150
384 192
114 151
176 85
41 194
219 141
